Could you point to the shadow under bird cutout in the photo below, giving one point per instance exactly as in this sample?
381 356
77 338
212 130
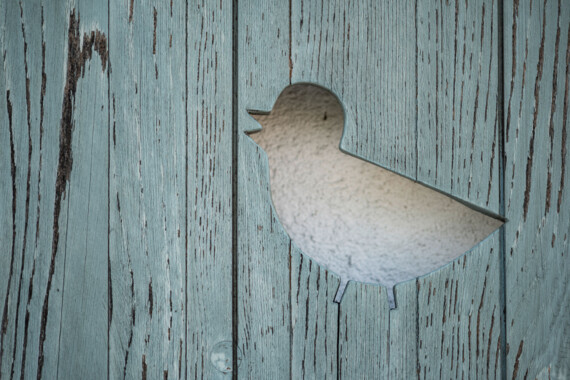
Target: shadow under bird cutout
357 219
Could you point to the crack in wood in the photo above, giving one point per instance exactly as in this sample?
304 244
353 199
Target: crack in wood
564 121
530 158
27 202
4 326
77 56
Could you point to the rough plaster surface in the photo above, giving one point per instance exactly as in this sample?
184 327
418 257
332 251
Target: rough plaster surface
357 219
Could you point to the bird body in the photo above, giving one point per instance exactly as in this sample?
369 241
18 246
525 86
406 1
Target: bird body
361 221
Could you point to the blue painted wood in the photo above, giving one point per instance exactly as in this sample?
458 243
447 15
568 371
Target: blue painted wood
458 124
209 175
147 195
404 345
264 306
364 330
314 318
54 96
459 305
84 309
459 316
537 197
115 214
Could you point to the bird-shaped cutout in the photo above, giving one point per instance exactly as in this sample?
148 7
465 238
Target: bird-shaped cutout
357 219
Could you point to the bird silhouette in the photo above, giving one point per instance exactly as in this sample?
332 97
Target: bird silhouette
357 219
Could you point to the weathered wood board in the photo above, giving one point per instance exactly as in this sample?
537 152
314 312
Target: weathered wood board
104 247
54 183
537 197
459 306
136 224
209 187
458 124
263 304
147 195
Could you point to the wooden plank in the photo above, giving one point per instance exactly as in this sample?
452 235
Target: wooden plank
364 325
374 340
537 197
18 146
314 318
84 310
209 214
264 309
403 332
286 315
364 52
147 190
56 98
458 136
459 316
7 202
459 305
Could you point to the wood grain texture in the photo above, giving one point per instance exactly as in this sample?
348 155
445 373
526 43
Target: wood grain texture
54 90
459 305
209 262
457 126
459 316
537 197
364 328
404 344
147 196
314 318
364 52
264 308
116 183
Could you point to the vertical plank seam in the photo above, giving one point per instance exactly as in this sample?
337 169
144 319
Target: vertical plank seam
417 319
290 43
338 316
62 283
27 202
388 348
186 197
418 367
417 85
234 171
502 148
109 279
290 316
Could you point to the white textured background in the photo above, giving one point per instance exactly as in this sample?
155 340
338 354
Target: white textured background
359 220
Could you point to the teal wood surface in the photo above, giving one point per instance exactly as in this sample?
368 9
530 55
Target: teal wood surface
459 316
264 302
54 180
537 59
364 328
209 186
314 327
457 125
125 222
404 346
459 306
147 195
